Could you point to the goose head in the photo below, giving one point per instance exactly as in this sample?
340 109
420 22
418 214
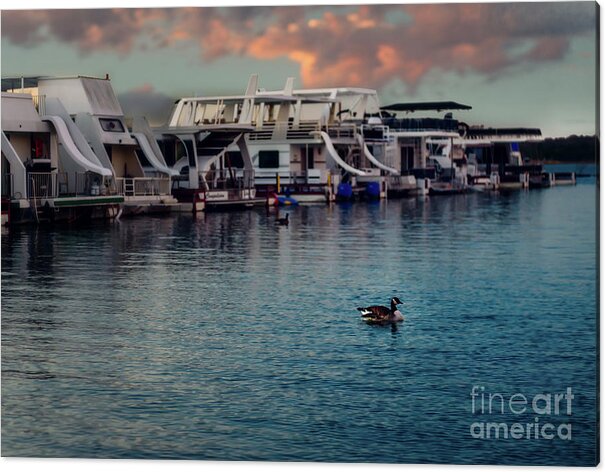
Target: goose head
395 301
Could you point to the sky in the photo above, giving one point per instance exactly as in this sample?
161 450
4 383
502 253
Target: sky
516 64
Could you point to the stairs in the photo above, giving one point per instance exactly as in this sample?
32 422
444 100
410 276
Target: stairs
215 143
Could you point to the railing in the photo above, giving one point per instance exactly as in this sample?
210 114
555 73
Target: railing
143 186
375 133
62 184
420 124
42 185
217 180
311 177
342 131
264 133
304 130
89 184
40 104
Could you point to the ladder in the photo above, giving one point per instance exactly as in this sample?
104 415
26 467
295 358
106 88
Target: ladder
129 187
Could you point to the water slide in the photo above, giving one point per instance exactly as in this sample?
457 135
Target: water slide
17 167
443 161
72 150
334 155
156 162
142 132
372 159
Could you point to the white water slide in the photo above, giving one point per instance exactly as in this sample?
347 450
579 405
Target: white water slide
72 150
151 156
443 161
372 159
334 155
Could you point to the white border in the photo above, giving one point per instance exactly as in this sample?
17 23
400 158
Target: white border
94 465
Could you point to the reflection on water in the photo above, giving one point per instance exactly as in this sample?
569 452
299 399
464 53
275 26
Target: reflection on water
230 337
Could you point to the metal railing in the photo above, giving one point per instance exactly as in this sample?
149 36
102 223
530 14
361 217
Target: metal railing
342 131
42 185
221 180
61 184
90 184
40 104
143 186
303 130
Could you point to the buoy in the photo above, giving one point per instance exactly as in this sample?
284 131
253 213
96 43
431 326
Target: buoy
344 191
373 190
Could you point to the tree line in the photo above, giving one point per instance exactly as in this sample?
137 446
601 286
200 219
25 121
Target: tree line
570 149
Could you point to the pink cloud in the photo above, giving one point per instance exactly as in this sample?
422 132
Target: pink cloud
361 45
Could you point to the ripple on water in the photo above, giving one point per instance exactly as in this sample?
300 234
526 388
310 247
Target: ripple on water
171 337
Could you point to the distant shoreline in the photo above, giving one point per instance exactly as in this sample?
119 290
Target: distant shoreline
551 162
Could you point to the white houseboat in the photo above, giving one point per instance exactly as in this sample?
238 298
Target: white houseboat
204 144
300 147
47 175
138 167
328 133
425 151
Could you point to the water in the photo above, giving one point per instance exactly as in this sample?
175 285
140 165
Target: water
230 337
583 169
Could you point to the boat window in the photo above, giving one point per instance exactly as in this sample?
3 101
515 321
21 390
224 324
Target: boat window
112 125
235 159
268 159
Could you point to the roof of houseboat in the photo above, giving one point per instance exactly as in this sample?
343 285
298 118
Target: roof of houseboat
426 106
339 90
15 83
261 96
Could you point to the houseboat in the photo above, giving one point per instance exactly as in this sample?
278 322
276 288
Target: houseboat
494 154
425 151
138 168
300 147
46 175
340 140
204 144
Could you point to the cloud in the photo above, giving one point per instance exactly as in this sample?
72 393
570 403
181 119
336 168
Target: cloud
146 101
349 45
88 30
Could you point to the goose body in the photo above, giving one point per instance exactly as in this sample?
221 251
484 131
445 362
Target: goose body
379 314
284 221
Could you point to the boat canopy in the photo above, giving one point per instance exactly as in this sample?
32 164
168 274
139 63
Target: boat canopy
426 106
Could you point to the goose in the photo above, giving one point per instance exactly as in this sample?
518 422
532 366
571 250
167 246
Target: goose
381 314
284 221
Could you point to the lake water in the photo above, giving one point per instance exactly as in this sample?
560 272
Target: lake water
230 337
